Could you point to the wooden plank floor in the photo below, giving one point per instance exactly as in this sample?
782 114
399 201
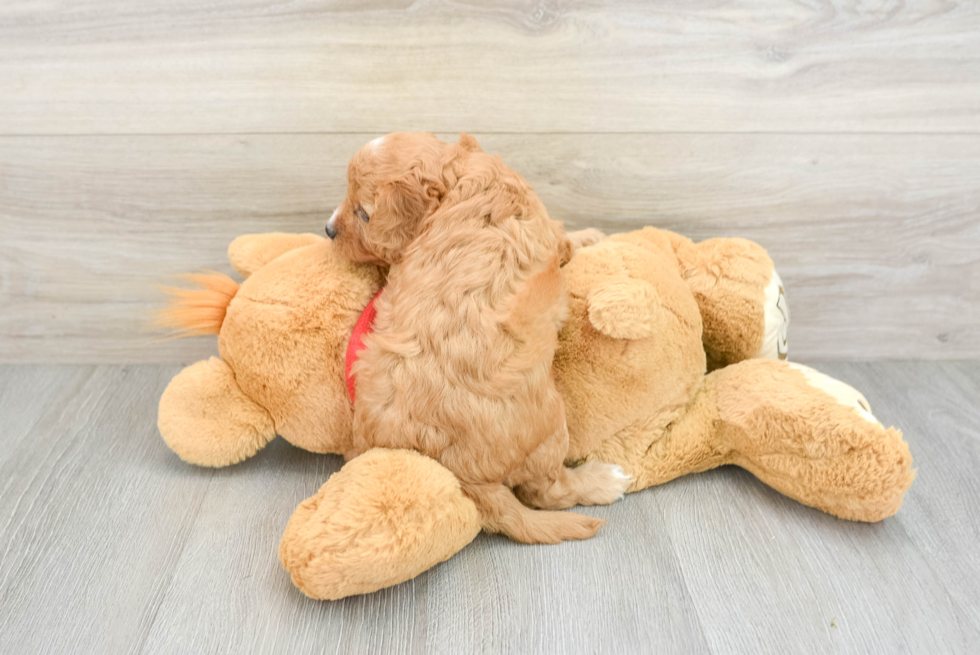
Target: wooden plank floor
110 544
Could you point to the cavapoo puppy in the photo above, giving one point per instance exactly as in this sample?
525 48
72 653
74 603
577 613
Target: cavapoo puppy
459 364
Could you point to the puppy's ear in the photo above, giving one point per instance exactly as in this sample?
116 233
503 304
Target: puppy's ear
468 143
399 207
624 310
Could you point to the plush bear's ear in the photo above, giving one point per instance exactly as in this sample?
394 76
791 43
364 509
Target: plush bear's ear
399 207
624 309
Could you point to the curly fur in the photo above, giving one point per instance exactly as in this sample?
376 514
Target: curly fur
459 367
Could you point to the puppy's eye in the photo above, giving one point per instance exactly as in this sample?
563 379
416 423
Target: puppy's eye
361 213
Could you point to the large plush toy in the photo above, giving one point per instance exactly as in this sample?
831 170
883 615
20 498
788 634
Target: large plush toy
650 314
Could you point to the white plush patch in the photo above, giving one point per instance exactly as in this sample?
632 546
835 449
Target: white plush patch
845 394
774 344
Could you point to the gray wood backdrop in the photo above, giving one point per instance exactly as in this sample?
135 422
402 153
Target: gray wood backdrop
138 138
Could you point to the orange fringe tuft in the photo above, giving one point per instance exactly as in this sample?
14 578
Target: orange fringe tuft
194 312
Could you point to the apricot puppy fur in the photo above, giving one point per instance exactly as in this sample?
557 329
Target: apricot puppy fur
459 365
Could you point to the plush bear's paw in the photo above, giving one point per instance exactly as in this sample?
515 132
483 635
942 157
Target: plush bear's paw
600 483
776 310
207 419
843 393
584 238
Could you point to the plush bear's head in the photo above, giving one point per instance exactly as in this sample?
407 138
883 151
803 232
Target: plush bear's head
630 315
285 335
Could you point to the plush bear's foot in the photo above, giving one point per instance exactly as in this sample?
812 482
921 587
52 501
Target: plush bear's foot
384 518
803 433
743 306
811 437
207 420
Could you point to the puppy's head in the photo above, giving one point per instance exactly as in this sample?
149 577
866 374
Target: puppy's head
393 184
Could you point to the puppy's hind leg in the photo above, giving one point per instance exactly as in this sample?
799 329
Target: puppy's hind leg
502 512
547 483
592 483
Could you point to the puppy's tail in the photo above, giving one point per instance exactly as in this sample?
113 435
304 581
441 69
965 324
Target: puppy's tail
193 312
501 511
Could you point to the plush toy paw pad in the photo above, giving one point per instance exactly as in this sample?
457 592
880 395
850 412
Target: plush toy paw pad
843 393
774 340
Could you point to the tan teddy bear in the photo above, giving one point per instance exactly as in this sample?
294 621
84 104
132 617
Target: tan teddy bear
650 313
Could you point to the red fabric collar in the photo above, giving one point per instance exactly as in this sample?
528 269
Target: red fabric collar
363 327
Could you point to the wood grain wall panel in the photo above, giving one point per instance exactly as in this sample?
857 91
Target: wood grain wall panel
228 66
877 237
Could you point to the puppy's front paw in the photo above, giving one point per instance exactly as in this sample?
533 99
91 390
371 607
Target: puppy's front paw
601 483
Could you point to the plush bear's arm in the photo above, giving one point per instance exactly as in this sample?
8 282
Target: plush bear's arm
742 301
207 419
250 252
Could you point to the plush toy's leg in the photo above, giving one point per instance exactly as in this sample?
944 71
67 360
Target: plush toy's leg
742 301
803 433
207 420
250 252
384 518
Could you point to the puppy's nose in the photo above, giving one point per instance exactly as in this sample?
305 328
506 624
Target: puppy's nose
332 224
